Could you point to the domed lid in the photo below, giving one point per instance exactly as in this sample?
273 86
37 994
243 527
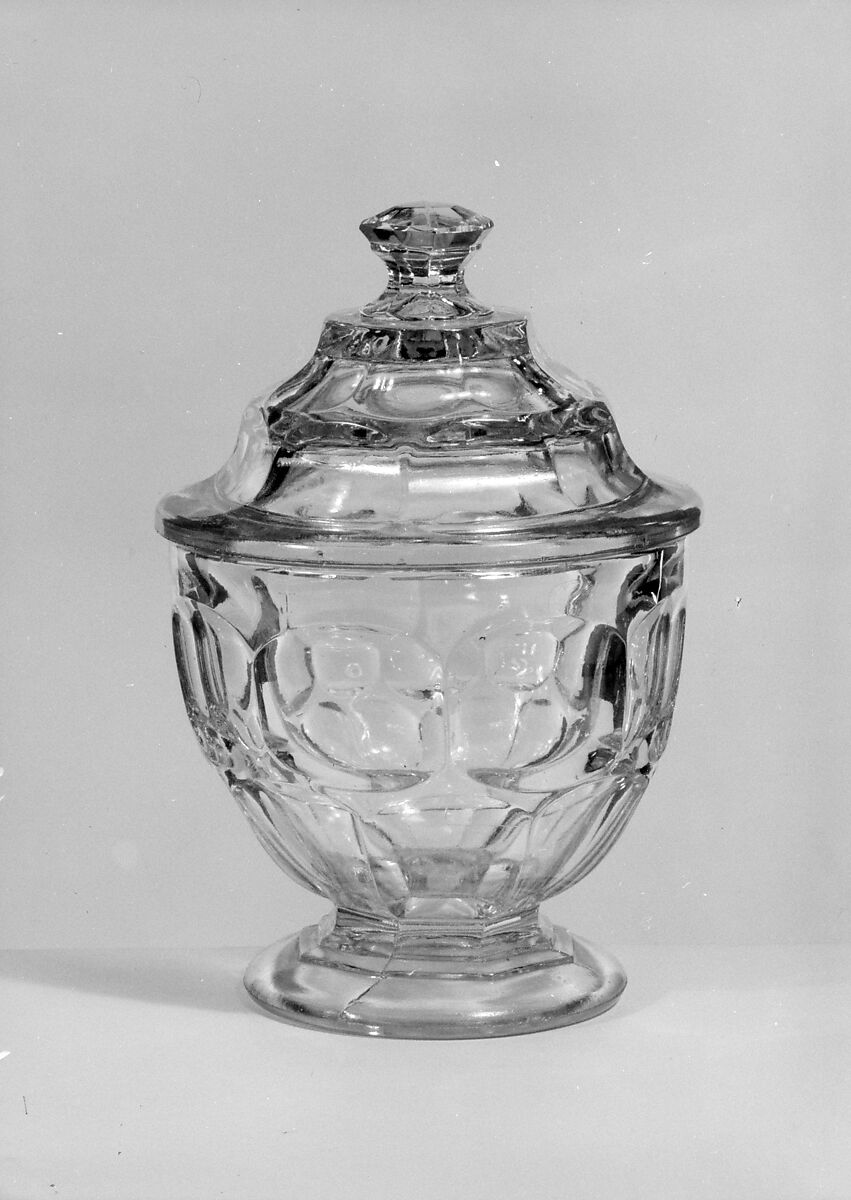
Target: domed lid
424 432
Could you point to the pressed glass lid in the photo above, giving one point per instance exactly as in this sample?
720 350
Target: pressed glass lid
423 430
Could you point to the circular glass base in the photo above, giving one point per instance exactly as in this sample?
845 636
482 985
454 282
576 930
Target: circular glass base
573 984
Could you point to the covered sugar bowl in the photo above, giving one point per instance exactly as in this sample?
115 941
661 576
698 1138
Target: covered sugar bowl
428 629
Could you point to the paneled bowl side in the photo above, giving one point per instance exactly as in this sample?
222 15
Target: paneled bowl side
427 747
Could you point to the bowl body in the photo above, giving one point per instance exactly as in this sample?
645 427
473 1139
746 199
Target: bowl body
428 746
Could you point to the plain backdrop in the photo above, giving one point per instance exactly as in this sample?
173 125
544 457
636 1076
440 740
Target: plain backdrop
182 188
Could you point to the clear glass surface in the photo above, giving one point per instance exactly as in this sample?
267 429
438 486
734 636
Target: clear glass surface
429 629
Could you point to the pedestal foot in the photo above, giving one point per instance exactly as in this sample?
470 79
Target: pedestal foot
299 981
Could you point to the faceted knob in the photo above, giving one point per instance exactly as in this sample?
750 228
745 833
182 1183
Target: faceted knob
424 247
426 233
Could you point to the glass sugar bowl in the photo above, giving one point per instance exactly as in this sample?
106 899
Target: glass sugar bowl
428 628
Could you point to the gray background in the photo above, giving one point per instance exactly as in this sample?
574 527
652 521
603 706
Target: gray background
183 187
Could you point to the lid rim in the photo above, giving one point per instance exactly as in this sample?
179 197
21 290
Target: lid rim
632 534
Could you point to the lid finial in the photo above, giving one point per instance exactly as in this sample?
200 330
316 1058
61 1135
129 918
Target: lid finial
424 247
